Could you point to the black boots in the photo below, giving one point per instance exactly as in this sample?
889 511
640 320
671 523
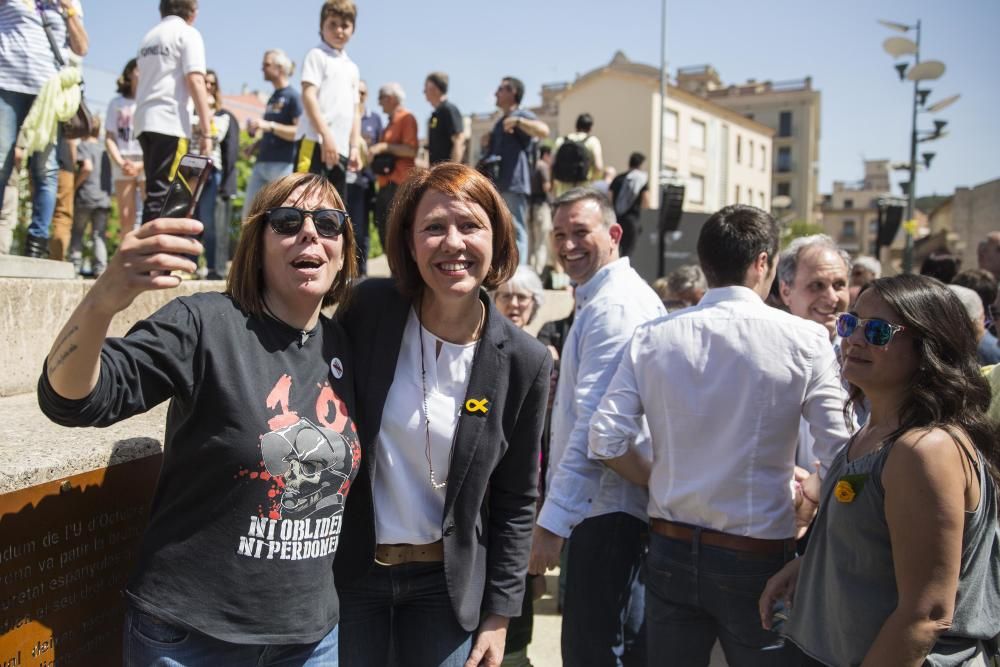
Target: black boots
36 246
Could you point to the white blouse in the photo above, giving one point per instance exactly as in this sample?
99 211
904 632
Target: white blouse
408 510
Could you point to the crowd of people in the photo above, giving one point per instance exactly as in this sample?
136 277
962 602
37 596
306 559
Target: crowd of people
782 452
169 103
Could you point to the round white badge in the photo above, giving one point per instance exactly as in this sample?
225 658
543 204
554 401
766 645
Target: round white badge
337 368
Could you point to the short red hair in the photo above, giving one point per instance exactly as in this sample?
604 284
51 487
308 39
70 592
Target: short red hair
461 182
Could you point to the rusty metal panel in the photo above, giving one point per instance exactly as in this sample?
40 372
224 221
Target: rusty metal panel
66 550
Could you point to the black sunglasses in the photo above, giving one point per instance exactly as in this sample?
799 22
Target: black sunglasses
288 220
876 332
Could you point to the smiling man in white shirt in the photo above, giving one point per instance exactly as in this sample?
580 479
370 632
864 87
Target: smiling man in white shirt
723 386
602 515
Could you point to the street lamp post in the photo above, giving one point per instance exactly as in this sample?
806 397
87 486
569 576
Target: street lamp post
919 71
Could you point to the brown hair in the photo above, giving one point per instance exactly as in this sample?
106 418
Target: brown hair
183 8
440 81
245 283
345 9
466 184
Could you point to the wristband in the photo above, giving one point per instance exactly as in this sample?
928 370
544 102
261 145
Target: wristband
70 12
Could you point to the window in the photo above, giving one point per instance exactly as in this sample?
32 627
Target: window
760 197
848 203
736 199
784 159
750 151
697 134
670 125
696 189
785 124
750 196
873 228
784 189
763 158
750 116
849 230
739 152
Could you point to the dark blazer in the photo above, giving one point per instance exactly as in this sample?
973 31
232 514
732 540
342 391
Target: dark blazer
489 504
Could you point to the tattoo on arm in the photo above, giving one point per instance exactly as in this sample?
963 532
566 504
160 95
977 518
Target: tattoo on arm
62 358
69 334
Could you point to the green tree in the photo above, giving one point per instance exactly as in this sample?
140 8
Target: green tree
798 228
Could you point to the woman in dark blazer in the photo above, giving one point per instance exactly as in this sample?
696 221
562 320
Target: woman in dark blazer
451 404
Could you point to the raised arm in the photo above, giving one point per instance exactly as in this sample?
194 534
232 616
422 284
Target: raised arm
74 362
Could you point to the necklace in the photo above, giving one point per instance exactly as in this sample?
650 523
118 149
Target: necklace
423 384
303 334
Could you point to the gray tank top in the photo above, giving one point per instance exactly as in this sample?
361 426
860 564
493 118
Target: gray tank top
847 585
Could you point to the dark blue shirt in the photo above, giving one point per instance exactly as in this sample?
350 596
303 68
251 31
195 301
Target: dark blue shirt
284 108
514 149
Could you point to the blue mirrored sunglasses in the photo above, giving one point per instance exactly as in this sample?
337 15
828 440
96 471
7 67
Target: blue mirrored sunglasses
876 332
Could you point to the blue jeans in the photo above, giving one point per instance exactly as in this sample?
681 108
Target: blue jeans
602 620
518 205
262 174
205 212
696 594
357 208
151 642
401 615
43 167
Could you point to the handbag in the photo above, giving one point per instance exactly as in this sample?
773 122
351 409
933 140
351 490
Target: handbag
383 164
82 122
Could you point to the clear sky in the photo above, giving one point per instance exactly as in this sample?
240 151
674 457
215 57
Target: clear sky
865 108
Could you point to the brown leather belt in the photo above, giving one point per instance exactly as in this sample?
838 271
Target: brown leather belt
713 538
397 554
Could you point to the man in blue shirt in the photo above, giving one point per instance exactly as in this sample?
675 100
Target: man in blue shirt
600 514
512 140
276 148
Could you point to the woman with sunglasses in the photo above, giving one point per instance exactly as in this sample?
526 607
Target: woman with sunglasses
451 405
902 566
235 567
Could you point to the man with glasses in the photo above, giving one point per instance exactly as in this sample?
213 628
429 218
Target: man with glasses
276 146
172 62
723 386
512 140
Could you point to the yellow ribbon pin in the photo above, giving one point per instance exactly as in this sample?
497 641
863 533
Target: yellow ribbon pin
477 405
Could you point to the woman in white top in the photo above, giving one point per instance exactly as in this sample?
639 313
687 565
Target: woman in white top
451 406
123 146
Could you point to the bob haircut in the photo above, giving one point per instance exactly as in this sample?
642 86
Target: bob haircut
245 283
463 183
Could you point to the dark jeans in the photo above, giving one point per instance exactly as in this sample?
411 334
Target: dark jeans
696 594
358 197
630 232
400 615
158 154
383 202
148 641
603 611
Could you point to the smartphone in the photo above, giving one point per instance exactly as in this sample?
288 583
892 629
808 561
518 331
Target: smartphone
185 189
186 186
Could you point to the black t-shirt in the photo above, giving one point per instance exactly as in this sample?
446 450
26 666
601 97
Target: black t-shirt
259 453
446 122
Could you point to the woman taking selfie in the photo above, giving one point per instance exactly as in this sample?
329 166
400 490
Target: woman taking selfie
235 567
451 403
902 565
